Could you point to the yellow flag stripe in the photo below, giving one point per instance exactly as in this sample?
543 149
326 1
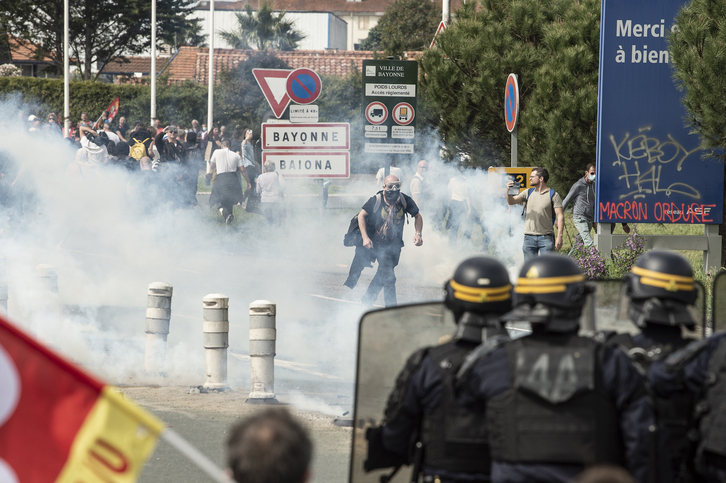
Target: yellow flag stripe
114 442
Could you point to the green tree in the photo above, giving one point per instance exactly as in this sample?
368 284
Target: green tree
373 41
100 30
263 31
560 130
697 55
407 25
552 46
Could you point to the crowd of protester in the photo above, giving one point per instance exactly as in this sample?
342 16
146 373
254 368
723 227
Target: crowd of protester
168 159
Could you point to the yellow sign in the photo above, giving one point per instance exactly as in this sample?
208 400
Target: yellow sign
498 178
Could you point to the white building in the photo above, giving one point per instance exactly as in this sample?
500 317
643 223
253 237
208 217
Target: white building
352 19
322 30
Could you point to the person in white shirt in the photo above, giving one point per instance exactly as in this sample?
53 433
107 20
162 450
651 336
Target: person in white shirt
418 184
227 189
112 136
395 171
271 188
459 205
96 149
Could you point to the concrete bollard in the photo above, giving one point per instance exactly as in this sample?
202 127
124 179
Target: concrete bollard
3 286
263 335
216 339
158 314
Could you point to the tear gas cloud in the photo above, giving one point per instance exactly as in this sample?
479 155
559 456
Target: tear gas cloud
108 239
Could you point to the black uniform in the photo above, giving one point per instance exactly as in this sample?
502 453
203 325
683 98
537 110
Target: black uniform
660 287
557 402
674 412
454 438
701 368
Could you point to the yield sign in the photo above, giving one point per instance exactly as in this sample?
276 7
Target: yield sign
273 83
442 27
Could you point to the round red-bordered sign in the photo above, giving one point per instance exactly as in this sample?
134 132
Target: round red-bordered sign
303 86
376 112
403 114
511 102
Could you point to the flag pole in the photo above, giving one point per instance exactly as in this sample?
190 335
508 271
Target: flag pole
195 456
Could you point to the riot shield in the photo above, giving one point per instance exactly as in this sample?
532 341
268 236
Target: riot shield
606 309
386 339
719 302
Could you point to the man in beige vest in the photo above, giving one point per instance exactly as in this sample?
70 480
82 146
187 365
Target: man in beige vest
542 204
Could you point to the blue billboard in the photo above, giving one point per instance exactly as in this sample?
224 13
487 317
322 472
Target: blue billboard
649 168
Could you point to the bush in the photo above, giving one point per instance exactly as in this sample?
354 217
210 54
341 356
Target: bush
590 260
624 256
175 102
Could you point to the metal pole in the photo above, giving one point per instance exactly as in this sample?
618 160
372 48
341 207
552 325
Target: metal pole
158 315
210 94
216 339
514 147
153 62
66 73
263 335
446 11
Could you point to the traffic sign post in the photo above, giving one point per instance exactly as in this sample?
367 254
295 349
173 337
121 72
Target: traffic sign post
511 112
389 104
303 86
322 135
498 177
310 164
273 84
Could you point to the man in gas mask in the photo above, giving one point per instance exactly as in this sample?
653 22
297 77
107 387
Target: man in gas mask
557 402
381 225
660 287
453 439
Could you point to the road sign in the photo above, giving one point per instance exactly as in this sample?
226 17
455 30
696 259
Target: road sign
303 86
312 136
511 102
376 113
403 114
273 83
498 177
442 27
310 163
389 99
305 113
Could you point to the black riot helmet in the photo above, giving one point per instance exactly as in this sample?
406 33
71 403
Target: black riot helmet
660 286
478 294
550 290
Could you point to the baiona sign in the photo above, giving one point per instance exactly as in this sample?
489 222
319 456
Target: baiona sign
649 168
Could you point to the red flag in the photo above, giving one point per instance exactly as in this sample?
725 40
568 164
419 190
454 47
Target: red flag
112 109
58 423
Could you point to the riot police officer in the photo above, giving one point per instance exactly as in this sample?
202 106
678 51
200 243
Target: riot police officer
422 407
700 367
557 402
660 287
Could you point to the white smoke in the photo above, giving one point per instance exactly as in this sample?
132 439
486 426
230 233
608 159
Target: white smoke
108 239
